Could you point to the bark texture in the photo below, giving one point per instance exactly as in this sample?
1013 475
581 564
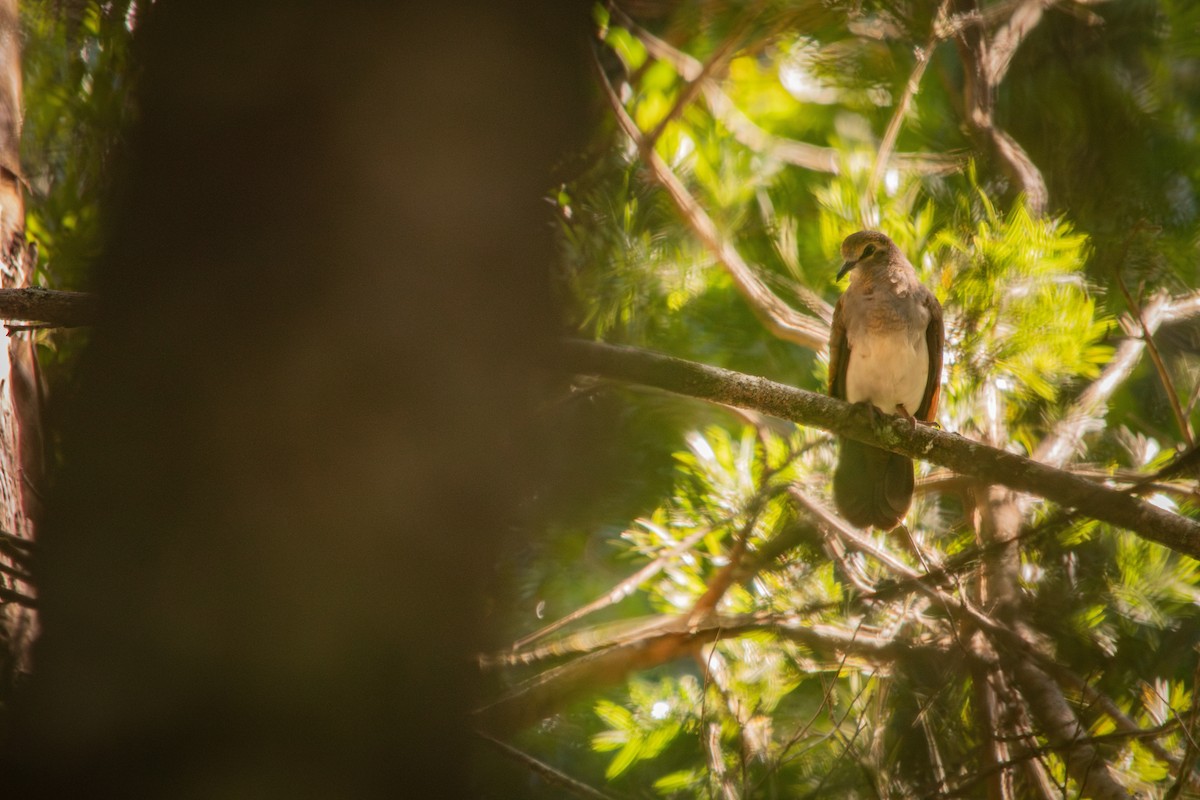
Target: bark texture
21 461
964 456
52 307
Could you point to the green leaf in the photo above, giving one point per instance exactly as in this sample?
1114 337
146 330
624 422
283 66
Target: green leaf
606 741
615 716
678 781
627 46
629 754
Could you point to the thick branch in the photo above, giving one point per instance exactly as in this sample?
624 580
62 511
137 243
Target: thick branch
993 749
1009 37
946 449
1060 725
17 598
984 66
60 309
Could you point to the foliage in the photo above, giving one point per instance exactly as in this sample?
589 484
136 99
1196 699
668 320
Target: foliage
79 73
832 676
78 76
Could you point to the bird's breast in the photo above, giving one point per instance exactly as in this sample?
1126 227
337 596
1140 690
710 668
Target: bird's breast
887 368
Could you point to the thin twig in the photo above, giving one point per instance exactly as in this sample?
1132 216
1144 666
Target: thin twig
1163 375
695 85
1121 721
719 584
837 732
923 55
549 773
668 638
751 135
618 592
966 782
1192 399
1057 448
1190 753
935 756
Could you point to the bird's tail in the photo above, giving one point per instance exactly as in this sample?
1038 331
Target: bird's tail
872 486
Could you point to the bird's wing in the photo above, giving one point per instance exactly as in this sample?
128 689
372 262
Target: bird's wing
839 352
934 338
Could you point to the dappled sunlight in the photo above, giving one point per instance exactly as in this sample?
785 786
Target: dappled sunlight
983 647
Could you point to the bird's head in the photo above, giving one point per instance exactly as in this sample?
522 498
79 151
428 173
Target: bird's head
865 248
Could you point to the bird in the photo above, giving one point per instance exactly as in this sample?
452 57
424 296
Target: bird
885 350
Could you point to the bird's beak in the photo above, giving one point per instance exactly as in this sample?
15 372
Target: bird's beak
849 265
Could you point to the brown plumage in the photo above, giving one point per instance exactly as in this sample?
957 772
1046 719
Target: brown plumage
886 349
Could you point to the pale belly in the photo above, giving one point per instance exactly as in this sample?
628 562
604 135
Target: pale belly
891 370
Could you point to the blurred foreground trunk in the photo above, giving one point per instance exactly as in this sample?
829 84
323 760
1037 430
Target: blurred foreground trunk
20 387
300 433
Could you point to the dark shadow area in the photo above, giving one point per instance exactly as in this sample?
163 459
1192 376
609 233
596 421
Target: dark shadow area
296 445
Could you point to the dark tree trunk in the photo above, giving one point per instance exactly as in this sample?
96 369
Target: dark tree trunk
299 440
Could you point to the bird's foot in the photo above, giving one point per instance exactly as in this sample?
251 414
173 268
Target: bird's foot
877 418
902 411
874 414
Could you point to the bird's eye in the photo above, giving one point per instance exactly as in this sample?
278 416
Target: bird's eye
869 250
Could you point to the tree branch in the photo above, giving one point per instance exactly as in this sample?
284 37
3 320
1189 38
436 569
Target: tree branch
58 308
983 656
1121 721
923 55
672 638
618 592
1064 731
1190 752
549 773
1009 37
921 442
694 86
777 316
17 598
1067 438
751 135
984 67
1159 365
994 750
960 787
